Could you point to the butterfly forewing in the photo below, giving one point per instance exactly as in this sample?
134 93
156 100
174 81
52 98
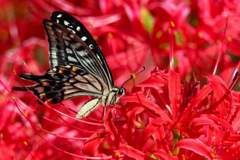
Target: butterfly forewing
72 26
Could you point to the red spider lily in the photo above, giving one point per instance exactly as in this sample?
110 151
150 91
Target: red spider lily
201 117
165 116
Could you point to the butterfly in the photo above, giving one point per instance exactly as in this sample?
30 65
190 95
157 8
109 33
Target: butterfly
77 67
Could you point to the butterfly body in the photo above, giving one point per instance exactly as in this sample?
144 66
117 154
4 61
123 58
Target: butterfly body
77 67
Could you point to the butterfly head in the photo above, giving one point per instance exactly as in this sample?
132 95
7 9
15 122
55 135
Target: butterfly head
117 93
121 91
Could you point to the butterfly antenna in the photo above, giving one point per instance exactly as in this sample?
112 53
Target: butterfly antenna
132 77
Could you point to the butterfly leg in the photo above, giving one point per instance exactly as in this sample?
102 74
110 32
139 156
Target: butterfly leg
115 104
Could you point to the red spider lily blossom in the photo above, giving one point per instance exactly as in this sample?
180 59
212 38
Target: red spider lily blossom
191 113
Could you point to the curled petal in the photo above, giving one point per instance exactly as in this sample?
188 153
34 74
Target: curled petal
196 146
130 152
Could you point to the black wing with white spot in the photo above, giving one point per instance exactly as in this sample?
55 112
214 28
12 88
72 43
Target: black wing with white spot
71 44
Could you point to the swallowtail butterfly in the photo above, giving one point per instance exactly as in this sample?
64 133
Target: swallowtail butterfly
77 67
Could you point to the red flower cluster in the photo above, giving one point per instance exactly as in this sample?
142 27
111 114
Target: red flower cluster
170 115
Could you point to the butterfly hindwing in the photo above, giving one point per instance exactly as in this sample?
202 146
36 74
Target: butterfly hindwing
88 107
63 83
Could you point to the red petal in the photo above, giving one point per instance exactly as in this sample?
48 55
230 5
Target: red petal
196 146
222 122
149 130
236 121
110 127
194 104
92 144
219 88
232 153
154 81
161 153
130 125
130 152
141 99
201 121
131 117
174 87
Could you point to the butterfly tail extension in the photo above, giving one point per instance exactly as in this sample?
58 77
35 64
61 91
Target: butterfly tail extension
88 107
34 78
47 88
21 88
